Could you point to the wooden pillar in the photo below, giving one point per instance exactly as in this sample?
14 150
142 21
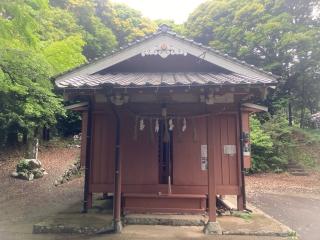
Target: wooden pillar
212 227
87 196
84 125
243 126
211 177
117 178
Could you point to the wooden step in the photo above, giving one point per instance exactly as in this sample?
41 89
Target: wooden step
164 203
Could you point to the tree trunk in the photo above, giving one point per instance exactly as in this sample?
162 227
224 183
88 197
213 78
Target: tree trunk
25 138
290 114
12 139
45 134
302 125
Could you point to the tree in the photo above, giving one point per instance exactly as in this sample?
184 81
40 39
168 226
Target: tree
26 99
281 36
127 23
99 38
178 28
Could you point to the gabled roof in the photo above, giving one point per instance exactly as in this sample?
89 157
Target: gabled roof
88 74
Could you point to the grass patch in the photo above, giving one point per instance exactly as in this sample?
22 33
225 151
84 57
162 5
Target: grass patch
244 215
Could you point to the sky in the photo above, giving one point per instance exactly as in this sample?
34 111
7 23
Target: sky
177 10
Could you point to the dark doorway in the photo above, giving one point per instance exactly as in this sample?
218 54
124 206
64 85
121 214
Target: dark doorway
165 153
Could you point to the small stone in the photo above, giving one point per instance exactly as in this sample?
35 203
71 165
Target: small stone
30 177
14 174
37 173
23 175
34 163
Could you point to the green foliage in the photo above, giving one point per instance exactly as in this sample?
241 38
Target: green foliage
23 165
261 147
40 39
70 124
309 136
65 54
274 144
281 36
247 216
26 98
178 28
127 23
271 144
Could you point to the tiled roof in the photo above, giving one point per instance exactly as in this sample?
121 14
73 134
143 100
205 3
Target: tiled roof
160 79
163 30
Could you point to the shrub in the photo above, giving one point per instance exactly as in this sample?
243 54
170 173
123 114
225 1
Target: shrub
271 144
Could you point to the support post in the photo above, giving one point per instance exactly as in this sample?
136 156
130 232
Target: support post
212 227
87 197
241 199
117 177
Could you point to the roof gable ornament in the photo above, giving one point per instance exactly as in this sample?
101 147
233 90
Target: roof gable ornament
163 50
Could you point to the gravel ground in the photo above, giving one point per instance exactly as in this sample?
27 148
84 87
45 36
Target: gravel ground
292 200
283 183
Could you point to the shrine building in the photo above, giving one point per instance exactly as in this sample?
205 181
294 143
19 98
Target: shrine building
165 125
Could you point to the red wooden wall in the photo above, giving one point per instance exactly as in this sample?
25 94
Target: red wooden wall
187 154
226 166
139 156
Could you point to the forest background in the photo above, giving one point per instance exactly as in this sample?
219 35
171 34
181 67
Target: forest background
40 39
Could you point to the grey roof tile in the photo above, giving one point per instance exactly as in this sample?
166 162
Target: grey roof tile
160 79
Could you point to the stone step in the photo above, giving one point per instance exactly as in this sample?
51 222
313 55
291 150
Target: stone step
76 223
165 219
296 170
299 173
293 165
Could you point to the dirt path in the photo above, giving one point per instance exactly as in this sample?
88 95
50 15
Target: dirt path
22 202
294 201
